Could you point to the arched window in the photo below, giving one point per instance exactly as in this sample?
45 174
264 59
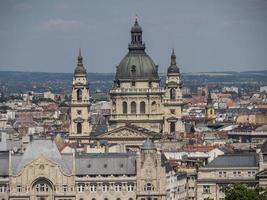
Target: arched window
172 127
41 187
173 94
133 107
79 127
124 107
153 107
142 107
79 95
149 187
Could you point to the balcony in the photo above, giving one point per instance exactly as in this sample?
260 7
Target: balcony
137 91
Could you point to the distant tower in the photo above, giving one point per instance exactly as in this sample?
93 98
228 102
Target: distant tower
173 101
210 112
80 104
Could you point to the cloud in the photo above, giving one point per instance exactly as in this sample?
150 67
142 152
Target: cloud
23 7
60 25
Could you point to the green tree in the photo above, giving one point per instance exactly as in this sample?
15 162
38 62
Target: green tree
242 192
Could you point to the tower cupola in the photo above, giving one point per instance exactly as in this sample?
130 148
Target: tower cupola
173 68
80 70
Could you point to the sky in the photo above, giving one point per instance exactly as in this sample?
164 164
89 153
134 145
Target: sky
207 35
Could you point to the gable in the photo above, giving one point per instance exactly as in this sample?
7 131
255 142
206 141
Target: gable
125 132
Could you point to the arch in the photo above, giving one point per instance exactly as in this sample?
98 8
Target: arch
124 107
142 107
148 187
172 94
133 107
79 94
153 107
79 127
42 186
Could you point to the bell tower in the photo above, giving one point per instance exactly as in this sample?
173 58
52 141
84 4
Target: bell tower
210 111
80 102
173 101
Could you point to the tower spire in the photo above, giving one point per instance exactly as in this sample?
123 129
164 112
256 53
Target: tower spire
173 58
80 58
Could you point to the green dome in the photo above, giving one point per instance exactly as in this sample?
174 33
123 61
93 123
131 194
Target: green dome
137 66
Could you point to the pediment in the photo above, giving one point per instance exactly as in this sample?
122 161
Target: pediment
125 132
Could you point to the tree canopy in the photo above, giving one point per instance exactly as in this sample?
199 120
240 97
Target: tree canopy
242 192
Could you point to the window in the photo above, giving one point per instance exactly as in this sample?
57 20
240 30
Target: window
234 173
206 189
79 127
79 95
149 187
3 188
93 187
172 127
133 70
19 188
105 187
130 187
133 83
149 84
81 187
124 107
154 107
172 94
79 112
142 107
118 187
65 188
133 107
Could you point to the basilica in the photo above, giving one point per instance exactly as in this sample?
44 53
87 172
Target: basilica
140 106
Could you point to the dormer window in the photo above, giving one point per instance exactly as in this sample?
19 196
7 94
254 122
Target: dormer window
133 70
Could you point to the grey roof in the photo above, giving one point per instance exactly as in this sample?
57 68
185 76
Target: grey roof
105 164
234 160
48 149
4 163
10 145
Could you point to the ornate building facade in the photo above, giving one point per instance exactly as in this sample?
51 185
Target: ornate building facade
137 97
42 173
80 102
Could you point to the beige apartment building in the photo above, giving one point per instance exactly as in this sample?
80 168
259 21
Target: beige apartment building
224 170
